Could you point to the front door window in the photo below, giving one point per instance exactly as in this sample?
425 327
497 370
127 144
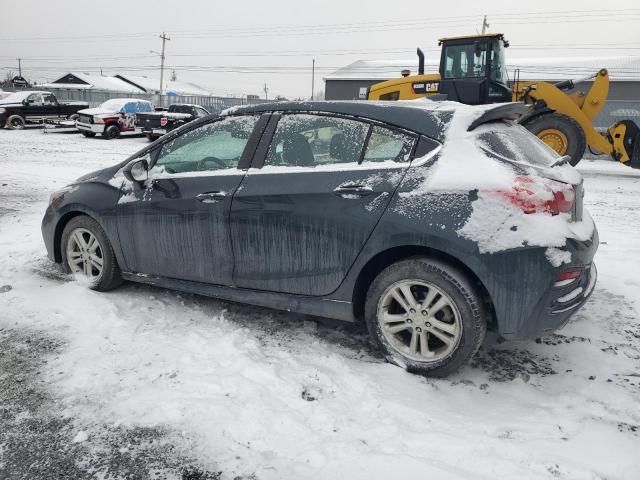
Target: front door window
212 147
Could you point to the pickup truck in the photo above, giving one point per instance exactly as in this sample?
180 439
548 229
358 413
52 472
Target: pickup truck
156 124
112 118
22 108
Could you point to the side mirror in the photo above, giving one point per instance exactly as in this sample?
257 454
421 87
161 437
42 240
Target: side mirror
137 171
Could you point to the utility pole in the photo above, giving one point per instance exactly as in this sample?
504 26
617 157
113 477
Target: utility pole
19 66
313 76
485 25
164 40
266 92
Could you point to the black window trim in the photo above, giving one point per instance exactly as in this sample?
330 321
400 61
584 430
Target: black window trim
265 142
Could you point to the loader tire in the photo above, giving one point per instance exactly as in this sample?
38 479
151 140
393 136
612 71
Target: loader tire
635 154
560 132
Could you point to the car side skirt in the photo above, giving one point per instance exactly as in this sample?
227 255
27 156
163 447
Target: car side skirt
306 305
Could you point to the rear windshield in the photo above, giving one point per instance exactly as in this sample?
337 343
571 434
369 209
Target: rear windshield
514 142
180 109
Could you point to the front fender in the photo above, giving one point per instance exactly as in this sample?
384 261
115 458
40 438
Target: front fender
95 199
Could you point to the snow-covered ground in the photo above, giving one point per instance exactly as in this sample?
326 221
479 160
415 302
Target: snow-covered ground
147 383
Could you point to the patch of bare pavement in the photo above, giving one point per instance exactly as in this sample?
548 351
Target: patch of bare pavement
38 440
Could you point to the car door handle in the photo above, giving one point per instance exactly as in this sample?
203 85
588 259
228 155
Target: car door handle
353 191
211 197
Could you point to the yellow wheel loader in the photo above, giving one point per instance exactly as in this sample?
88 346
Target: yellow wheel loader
472 71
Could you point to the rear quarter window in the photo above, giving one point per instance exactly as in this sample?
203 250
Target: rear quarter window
515 142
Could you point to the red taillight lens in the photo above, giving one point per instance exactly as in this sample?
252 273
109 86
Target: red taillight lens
536 195
568 275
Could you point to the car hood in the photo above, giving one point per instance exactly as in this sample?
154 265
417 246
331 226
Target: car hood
100 176
10 104
97 111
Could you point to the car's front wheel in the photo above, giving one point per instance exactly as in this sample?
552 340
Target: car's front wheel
15 122
88 255
111 132
426 316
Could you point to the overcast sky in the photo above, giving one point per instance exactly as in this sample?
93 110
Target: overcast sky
236 47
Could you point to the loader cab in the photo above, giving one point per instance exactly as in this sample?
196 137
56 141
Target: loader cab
473 70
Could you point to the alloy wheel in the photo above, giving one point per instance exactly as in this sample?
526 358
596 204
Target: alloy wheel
84 254
419 320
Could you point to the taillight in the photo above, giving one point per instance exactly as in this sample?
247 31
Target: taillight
537 195
567 277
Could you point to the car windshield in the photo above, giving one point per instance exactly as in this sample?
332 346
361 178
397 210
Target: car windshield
514 142
114 105
16 97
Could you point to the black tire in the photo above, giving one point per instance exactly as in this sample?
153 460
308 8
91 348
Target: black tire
110 277
457 287
635 154
150 137
15 122
111 132
577 142
88 134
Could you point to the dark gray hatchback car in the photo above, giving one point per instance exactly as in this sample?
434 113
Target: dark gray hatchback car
431 221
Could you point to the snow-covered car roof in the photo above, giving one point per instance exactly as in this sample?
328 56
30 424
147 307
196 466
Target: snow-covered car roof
423 115
17 97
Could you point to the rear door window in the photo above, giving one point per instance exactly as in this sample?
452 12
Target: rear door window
514 142
388 145
303 140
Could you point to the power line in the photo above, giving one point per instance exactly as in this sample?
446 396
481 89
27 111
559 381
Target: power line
561 16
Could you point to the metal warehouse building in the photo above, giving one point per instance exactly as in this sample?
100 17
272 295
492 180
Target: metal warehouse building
352 81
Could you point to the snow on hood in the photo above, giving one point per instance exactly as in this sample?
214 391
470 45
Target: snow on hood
98 111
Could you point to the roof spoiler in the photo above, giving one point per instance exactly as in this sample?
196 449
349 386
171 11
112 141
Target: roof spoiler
502 111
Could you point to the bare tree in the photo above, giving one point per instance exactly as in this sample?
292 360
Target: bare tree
7 82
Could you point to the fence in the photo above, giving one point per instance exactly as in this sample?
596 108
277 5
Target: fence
96 97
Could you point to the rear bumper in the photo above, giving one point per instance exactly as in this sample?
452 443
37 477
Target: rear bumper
557 302
156 132
557 307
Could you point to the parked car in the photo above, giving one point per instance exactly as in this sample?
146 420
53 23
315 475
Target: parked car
28 107
348 210
158 123
112 118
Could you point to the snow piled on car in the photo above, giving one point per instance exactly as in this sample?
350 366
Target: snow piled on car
258 394
494 224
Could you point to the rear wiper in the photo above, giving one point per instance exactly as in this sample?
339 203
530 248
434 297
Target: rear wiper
561 161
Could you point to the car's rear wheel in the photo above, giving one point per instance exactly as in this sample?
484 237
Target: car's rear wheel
15 122
426 316
111 132
88 255
89 134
